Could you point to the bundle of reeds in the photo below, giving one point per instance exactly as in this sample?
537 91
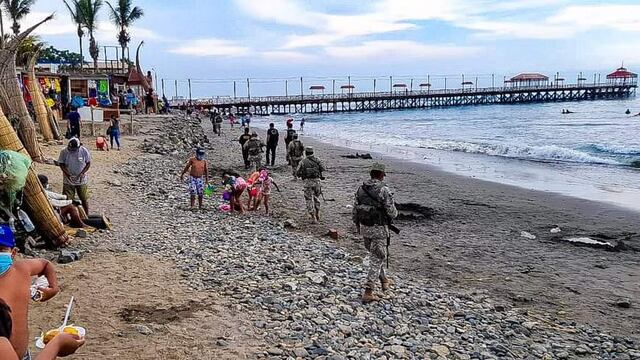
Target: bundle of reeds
37 99
36 200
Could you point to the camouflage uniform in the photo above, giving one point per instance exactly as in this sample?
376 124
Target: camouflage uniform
254 148
310 170
293 159
375 237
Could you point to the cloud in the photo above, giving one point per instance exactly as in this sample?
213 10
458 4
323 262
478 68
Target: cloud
211 47
287 56
552 19
403 48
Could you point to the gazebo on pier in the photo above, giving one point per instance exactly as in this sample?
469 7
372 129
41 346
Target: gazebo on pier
622 76
316 88
349 89
528 79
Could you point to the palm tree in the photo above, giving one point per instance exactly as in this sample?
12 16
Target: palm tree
17 10
89 12
123 16
76 16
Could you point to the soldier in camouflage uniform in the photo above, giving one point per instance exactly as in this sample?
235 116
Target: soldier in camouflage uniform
373 207
310 170
295 151
254 148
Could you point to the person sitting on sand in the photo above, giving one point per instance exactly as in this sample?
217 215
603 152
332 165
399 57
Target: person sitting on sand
68 212
238 186
265 182
15 284
101 143
198 176
61 345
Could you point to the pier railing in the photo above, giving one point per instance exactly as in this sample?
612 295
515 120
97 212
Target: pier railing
350 96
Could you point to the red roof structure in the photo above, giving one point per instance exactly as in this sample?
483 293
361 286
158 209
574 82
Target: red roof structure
347 87
316 87
399 85
622 73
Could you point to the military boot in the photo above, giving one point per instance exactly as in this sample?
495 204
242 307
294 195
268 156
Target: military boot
369 296
386 284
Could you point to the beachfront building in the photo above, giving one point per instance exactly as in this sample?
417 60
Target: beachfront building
622 76
527 80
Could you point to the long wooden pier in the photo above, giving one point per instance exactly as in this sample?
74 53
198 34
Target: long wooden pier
405 99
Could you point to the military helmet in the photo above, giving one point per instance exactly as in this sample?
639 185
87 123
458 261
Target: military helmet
376 166
308 150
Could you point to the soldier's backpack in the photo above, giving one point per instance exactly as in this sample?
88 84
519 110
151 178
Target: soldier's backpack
311 169
254 147
368 208
298 149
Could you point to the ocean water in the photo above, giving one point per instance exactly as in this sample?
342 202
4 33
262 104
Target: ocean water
588 154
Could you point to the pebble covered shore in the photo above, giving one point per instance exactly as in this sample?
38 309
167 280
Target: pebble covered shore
302 292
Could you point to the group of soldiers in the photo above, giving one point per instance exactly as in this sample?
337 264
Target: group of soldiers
373 207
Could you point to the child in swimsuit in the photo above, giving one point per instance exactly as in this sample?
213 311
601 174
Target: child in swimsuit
265 182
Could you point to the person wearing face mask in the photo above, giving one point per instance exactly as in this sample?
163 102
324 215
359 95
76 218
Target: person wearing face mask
75 161
15 284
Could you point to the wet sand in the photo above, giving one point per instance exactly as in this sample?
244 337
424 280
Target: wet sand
473 241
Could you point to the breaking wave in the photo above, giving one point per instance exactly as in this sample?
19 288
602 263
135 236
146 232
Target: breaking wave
537 153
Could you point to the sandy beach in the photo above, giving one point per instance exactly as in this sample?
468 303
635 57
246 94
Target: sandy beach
170 283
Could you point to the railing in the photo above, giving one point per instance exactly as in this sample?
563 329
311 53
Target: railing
227 100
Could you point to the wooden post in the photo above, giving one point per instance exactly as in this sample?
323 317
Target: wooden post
492 80
162 80
445 84
93 129
301 89
391 84
476 83
190 92
176 85
334 86
374 86
428 82
248 90
234 89
286 88
411 86
131 122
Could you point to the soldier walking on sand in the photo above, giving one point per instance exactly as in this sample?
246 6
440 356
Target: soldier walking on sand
254 149
372 209
311 171
288 138
295 152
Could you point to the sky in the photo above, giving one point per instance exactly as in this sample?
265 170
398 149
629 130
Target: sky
275 42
